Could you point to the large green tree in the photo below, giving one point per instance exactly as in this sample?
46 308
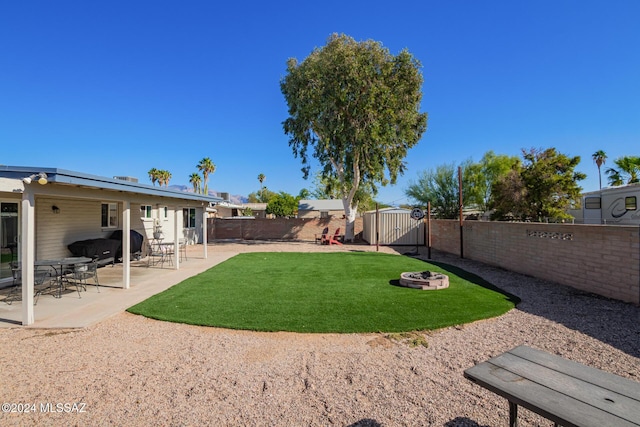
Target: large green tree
543 187
441 187
482 175
355 108
262 196
282 205
627 171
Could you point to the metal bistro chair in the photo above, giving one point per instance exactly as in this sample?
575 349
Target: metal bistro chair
154 254
41 277
182 244
84 271
168 250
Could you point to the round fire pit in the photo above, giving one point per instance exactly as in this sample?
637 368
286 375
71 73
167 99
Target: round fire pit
425 280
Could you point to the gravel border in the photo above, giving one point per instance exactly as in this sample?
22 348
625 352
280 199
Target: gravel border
129 370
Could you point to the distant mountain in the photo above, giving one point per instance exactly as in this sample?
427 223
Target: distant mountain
233 198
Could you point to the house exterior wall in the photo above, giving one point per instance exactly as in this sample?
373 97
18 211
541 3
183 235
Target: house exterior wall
80 219
600 259
317 214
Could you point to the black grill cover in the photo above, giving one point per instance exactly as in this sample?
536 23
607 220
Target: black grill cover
136 241
95 248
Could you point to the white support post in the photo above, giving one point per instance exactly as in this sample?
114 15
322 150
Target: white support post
176 238
126 244
28 242
205 232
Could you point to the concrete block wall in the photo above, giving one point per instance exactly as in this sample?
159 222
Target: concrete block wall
601 259
303 229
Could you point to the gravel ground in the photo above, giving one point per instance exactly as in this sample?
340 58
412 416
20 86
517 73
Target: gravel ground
129 370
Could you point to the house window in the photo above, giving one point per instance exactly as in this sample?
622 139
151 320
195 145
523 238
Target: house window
109 217
630 203
165 212
592 203
145 211
189 218
324 214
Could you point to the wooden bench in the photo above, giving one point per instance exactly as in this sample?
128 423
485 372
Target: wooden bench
565 392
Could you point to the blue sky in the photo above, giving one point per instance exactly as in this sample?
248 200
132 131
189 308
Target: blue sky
119 87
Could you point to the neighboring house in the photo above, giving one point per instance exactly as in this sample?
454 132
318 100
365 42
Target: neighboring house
43 210
258 210
320 208
226 209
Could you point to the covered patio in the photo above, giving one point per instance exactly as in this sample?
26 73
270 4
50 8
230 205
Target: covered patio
91 306
45 210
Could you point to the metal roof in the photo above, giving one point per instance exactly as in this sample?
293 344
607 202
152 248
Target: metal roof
67 177
321 205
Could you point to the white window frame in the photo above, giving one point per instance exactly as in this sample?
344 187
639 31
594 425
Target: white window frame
111 219
146 211
186 212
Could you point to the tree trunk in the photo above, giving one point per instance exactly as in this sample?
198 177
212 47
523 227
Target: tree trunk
350 215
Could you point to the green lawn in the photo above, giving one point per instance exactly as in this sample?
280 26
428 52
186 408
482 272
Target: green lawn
324 292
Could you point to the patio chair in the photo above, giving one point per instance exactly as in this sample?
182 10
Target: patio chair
182 243
154 254
16 286
41 276
322 237
335 238
168 250
83 272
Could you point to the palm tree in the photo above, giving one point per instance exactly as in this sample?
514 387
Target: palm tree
163 177
154 175
166 177
600 157
206 166
195 180
627 172
261 178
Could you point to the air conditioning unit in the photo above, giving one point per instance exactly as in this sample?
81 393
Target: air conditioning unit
126 178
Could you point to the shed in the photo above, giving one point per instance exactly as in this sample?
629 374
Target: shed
396 227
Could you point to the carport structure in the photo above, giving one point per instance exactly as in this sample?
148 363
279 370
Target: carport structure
46 209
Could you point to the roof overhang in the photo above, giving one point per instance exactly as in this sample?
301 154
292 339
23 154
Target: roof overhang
79 179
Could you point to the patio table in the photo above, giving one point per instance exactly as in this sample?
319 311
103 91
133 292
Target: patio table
58 266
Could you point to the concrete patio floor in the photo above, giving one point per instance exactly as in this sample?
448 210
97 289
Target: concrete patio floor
72 311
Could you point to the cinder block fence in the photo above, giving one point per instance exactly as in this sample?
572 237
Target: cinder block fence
602 259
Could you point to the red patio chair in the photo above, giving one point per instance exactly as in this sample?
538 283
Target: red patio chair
335 238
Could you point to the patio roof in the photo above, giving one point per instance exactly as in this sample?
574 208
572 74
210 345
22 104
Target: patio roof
65 183
67 177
